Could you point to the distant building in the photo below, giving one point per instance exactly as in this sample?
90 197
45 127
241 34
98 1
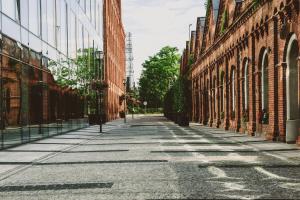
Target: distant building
245 76
114 51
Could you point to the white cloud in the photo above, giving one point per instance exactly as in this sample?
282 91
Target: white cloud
157 23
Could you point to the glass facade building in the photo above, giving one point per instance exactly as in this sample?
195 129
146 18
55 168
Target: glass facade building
39 41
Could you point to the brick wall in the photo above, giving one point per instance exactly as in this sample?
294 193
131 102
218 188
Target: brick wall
258 35
114 49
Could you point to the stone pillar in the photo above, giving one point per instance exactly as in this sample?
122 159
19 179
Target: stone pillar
193 100
252 96
227 97
272 77
200 101
210 99
258 94
237 93
218 97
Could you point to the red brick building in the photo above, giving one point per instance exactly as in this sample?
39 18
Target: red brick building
245 75
114 50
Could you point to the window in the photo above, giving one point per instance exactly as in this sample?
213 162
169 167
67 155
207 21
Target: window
18 10
82 4
246 85
93 12
72 34
79 37
233 92
215 99
44 20
34 17
265 84
9 8
222 92
63 26
51 21
24 13
88 8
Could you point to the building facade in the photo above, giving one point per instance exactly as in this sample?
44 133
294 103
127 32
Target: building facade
245 74
40 42
115 61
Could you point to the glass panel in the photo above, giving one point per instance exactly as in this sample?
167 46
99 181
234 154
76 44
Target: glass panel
24 13
11 28
93 7
51 21
44 20
58 25
34 17
82 4
72 35
88 8
11 91
79 38
9 8
63 27
35 42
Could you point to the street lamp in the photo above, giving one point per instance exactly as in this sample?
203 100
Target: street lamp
124 83
99 56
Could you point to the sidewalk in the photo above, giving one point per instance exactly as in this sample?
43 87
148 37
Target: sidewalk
284 150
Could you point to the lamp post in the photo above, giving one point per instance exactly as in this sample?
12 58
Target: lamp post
99 56
124 83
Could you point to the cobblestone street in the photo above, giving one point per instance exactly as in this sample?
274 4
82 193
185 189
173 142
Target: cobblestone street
150 158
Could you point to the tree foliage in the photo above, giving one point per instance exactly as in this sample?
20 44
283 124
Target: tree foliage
77 73
159 74
175 98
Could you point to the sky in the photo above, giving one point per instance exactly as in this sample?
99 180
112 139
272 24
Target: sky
158 23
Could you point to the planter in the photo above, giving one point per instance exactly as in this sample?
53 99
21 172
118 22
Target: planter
94 119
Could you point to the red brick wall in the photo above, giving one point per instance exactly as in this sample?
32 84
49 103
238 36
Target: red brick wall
114 49
253 31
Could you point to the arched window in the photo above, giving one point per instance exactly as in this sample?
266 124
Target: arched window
264 82
222 92
246 85
233 93
214 97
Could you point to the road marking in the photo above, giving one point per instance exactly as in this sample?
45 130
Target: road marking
270 175
219 173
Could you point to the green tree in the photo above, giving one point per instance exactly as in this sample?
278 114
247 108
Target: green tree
77 73
159 74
